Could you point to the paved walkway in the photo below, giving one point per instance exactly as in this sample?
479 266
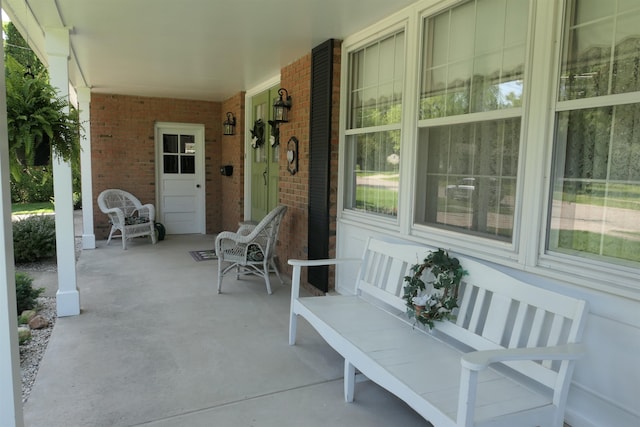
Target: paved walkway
155 345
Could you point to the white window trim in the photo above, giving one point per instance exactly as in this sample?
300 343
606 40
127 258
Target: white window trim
619 279
399 22
526 252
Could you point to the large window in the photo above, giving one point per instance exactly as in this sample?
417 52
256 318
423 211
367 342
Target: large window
520 133
595 197
373 130
472 86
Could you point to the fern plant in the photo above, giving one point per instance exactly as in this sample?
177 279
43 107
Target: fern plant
35 115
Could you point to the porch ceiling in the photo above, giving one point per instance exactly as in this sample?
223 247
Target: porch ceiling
191 49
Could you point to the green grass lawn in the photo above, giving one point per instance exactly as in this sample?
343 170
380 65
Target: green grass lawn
31 208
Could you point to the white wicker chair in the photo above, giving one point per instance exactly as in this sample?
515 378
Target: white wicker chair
251 249
128 215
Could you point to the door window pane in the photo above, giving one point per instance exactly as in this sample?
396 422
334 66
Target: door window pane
170 143
179 153
170 164
187 165
187 144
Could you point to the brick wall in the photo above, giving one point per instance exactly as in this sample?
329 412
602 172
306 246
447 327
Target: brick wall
232 153
123 155
123 148
294 189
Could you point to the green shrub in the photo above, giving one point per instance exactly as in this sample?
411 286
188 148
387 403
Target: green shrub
25 294
77 200
35 185
34 238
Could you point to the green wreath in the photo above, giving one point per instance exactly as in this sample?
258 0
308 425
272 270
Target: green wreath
431 293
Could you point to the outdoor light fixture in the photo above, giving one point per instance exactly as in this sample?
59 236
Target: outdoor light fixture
281 107
229 124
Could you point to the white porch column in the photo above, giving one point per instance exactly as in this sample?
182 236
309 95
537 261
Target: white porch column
10 379
84 103
67 297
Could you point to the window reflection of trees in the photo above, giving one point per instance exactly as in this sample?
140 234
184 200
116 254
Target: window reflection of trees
595 209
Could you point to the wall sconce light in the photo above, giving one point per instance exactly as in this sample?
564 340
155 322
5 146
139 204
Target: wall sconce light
229 124
281 107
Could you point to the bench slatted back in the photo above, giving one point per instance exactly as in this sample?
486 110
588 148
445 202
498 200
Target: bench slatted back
384 267
496 310
495 314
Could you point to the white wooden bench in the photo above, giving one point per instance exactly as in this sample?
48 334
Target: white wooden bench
507 360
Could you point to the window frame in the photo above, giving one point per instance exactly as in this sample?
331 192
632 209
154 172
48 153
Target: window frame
367 38
474 243
526 253
619 278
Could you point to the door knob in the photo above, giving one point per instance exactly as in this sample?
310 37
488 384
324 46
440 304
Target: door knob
197 185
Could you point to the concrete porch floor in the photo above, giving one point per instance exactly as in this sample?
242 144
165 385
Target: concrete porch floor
155 345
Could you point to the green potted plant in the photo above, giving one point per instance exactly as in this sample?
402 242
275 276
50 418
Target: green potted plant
37 116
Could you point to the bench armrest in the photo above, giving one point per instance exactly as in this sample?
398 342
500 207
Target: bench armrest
478 360
299 263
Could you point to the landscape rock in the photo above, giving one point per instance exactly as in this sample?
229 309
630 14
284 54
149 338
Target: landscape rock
26 316
38 322
31 352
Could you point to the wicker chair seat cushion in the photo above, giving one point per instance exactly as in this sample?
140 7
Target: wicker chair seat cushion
240 253
133 220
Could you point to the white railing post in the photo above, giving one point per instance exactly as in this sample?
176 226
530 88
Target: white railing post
10 378
67 297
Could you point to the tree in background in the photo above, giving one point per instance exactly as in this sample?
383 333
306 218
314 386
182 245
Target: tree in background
16 46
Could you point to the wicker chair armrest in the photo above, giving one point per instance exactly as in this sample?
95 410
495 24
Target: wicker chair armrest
247 227
116 215
229 239
225 239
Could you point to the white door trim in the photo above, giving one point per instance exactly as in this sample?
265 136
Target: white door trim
198 131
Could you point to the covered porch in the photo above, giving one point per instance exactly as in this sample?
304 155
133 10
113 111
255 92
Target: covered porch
156 345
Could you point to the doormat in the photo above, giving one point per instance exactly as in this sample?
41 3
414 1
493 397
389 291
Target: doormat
204 255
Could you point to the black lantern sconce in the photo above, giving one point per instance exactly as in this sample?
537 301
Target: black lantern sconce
229 124
281 107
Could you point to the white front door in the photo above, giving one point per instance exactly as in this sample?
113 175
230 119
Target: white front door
180 171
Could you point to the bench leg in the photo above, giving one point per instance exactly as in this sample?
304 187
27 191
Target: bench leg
349 381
